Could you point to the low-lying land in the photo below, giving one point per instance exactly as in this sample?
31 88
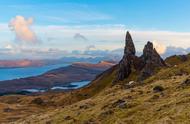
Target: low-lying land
61 76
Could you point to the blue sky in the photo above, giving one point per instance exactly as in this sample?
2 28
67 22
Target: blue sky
143 14
66 25
170 15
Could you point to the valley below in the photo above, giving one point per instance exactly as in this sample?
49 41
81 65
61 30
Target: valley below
56 79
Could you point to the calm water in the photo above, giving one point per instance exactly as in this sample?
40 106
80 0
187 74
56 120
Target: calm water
72 85
15 73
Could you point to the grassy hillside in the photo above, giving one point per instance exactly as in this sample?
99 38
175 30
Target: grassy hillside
14 107
161 99
177 59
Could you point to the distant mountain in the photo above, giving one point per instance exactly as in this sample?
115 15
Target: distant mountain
21 63
89 59
170 50
62 76
37 63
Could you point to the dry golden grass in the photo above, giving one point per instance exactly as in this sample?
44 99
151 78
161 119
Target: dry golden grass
143 106
97 103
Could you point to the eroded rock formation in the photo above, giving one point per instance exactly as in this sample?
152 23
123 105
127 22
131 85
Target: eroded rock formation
151 59
125 63
146 64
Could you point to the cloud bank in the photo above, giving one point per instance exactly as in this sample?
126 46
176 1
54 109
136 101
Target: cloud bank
21 27
101 39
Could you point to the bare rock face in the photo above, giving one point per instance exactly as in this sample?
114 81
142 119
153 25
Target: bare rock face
150 55
124 68
126 62
146 64
151 59
129 45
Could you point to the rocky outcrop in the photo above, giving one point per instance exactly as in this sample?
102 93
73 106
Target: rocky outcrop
129 45
151 59
146 64
150 55
127 61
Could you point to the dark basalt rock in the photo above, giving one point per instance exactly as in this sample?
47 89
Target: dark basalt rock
186 82
146 64
151 59
120 104
129 45
8 110
158 89
127 60
38 101
124 68
150 55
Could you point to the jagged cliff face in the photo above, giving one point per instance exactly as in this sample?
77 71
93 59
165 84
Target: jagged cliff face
146 64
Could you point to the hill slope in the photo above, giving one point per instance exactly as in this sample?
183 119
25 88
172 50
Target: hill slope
163 100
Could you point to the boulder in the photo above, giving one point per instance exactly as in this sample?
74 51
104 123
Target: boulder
158 89
186 82
38 101
120 104
7 110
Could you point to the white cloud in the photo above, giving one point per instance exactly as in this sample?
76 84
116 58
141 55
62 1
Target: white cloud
112 36
23 32
167 38
160 48
63 36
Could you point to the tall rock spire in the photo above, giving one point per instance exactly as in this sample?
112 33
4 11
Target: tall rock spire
129 45
150 55
152 60
125 64
144 65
